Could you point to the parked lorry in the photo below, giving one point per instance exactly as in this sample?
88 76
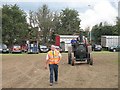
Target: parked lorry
110 41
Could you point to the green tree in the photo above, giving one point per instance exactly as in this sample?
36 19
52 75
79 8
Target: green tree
33 28
118 26
45 22
69 21
56 23
99 30
14 25
0 25
56 26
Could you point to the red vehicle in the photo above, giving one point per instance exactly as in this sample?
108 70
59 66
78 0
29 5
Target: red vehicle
16 49
24 48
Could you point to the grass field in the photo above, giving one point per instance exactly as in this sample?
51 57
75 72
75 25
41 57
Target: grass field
27 71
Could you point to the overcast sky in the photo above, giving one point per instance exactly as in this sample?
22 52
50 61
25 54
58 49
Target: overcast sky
91 12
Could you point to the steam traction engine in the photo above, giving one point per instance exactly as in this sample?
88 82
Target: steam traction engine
80 51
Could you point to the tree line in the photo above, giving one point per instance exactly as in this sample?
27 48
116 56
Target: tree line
104 29
43 25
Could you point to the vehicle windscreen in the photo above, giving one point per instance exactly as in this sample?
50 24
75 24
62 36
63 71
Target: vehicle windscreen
43 46
98 46
4 46
16 46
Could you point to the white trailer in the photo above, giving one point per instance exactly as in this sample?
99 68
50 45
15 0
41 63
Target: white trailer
65 41
108 41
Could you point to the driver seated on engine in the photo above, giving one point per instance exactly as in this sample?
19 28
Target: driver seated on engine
73 43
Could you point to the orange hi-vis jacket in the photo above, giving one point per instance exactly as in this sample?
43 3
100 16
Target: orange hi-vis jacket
54 57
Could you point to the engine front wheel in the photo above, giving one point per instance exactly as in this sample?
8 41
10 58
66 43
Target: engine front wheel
88 61
91 61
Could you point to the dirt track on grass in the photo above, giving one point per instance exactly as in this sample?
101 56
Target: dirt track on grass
27 71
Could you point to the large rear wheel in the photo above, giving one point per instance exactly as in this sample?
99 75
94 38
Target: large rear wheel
73 59
88 58
73 62
69 58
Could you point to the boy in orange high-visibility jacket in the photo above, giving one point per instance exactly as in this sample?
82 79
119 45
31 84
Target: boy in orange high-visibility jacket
53 58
